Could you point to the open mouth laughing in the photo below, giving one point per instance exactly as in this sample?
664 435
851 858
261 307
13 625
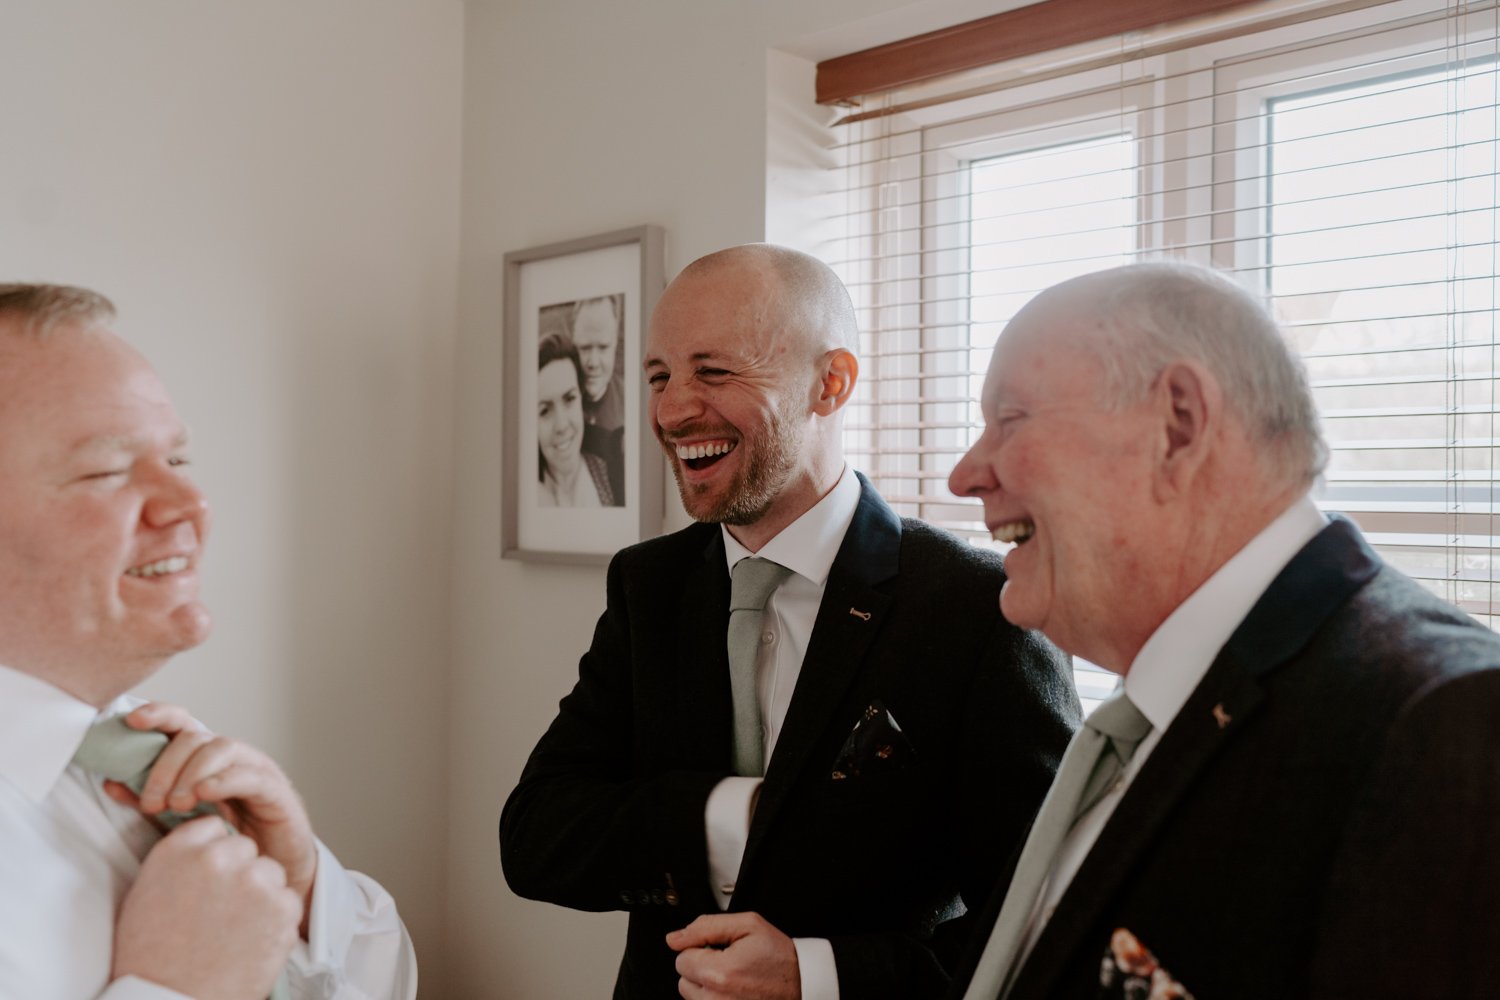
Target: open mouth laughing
1013 532
703 454
161 567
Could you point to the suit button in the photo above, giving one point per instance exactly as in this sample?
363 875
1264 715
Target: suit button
627 897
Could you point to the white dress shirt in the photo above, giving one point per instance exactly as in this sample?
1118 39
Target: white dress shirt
807 547
1169 667
69 854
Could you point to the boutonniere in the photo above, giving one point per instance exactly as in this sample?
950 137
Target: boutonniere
1130 972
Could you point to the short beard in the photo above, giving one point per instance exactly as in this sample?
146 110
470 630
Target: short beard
772 459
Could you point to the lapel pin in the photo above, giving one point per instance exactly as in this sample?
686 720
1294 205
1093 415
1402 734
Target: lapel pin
1222 717
862 615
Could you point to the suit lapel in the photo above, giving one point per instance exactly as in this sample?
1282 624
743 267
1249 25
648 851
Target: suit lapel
849 618
704 703
1325 573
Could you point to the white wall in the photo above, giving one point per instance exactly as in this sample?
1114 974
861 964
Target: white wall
269 191
582 117
273 194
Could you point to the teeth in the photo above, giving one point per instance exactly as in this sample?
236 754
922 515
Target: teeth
175 564
1015 531
690 451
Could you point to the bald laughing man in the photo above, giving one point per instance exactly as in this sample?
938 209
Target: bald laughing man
900 734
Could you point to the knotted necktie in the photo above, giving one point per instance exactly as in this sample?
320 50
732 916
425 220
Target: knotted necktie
113 750
752 582
1092 764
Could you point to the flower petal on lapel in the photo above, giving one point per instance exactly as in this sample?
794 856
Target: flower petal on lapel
1129 969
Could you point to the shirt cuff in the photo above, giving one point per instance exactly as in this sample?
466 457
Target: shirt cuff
726 821
135 988
356 944
817 969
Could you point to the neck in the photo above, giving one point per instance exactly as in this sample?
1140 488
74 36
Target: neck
797 497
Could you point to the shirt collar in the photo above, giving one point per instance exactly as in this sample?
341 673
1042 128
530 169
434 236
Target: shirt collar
1178 654
809 544
41 727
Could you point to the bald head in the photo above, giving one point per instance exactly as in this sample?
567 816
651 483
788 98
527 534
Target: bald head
750 361
805 296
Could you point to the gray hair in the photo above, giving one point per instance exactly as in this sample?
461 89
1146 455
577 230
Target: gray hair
1159 312
42 307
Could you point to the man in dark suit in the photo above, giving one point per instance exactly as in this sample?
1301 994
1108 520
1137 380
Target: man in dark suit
1312 805
908 734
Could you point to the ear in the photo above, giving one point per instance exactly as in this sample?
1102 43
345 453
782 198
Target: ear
1188 399
840 370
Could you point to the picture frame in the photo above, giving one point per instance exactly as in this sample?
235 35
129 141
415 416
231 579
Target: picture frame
582 473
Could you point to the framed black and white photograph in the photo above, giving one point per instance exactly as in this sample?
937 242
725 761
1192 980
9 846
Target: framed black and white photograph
582 472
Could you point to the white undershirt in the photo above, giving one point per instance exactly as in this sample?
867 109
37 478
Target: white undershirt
807 547
1169 667
69 854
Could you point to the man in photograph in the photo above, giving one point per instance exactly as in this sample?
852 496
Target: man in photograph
101 536
597 331
1296 792
801 743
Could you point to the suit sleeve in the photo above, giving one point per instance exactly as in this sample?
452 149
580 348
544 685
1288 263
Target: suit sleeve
580 829
1414 903
1020 713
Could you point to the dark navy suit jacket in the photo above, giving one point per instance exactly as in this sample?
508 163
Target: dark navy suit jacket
609 811
1322 818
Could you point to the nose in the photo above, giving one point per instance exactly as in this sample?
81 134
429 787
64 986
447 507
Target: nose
173 498
675 405
973 476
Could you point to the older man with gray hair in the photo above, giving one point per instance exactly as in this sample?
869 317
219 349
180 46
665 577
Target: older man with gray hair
1297 791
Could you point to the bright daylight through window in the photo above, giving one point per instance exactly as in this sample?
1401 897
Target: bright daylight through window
1344 166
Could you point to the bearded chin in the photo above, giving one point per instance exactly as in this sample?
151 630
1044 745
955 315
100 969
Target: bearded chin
772 459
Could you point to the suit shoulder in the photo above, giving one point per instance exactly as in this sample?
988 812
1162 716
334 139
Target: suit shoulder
933 550
690 543
1417 628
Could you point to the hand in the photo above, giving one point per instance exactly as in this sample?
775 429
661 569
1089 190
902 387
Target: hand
252 792
208 916
735 955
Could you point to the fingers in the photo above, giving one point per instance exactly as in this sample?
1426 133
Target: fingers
161 717
228 853
122 794
735 955
713 929
208 915
198 766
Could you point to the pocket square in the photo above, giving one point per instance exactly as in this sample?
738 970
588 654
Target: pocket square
1130 972
876 743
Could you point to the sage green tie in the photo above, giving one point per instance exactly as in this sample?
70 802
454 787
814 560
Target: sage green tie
113 750
752 582
1092 764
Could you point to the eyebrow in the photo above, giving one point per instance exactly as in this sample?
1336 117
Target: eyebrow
695 358
129 442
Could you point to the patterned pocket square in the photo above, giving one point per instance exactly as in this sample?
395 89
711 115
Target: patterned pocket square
1130 972
875 744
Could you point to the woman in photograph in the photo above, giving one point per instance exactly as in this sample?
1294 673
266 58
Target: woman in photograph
568 474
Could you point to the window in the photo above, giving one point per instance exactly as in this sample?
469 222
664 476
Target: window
1345 167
